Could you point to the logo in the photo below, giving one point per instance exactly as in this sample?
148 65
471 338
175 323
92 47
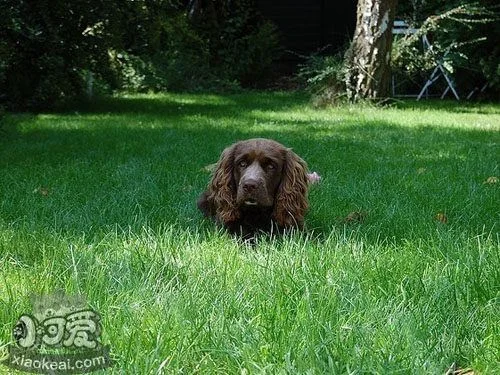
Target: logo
61 336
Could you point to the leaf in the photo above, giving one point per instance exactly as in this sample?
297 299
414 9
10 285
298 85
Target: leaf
421 170
41 190
441 217
355 217
492 180
209 168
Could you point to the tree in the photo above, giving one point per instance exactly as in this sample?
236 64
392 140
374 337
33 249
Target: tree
368 59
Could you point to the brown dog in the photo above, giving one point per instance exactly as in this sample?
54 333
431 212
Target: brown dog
258 185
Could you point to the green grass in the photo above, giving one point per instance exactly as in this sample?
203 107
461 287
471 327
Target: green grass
101 201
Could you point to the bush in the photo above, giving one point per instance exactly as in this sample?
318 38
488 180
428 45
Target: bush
218 45
168 54
48 48
241 44
249 58
45 44
324 78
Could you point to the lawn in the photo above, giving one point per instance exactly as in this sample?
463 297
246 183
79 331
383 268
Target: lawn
398 270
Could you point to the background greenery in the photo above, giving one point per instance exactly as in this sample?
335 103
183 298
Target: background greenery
55 51
48 48
397 272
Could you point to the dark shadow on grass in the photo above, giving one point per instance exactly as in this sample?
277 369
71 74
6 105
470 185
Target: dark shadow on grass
189 104
140 162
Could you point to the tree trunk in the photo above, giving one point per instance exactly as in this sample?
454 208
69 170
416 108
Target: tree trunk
368 58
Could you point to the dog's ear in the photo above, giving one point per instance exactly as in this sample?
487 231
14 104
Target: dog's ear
291 199
221 193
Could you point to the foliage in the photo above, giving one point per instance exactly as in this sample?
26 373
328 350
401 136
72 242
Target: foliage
458 35
175 59
44 46
215 45
242 45
324 77
251 56
158 49
47 48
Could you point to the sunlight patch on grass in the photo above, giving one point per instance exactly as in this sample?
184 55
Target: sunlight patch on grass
352 116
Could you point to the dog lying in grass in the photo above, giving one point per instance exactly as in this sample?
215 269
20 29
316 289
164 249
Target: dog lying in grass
258 185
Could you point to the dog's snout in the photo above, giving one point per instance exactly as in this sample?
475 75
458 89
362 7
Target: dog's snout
250 185
252 178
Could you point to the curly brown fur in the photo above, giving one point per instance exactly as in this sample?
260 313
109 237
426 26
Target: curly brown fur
291 200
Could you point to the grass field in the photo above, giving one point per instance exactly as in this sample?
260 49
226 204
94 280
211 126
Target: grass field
398 271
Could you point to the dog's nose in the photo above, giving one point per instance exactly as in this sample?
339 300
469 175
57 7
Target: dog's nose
250 185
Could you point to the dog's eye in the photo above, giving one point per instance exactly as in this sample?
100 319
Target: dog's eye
242 164
270 167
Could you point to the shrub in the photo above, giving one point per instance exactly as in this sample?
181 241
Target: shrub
248 58
217 45
45 45
324 78
48 48
167 54
241 44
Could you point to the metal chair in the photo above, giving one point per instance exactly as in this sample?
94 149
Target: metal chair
401 27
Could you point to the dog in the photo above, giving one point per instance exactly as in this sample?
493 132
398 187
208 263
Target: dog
258 185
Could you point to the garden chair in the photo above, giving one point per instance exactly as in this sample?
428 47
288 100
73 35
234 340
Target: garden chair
401 27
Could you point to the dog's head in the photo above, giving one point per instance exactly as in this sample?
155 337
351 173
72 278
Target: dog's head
259 173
